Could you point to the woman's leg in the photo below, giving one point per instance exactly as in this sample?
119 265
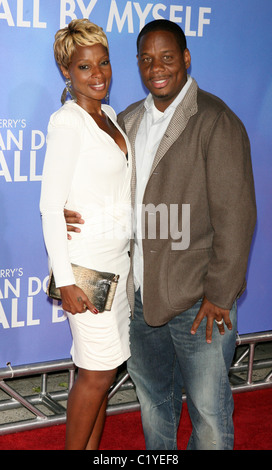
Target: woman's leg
95 438
85 413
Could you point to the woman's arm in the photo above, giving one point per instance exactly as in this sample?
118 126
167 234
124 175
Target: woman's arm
63 146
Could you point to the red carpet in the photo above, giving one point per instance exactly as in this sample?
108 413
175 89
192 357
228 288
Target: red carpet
252 421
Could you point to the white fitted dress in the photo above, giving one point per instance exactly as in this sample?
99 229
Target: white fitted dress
86 171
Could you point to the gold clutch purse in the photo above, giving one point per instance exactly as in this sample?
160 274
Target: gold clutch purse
100 287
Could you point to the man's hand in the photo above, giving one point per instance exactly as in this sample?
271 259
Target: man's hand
72 217
212 313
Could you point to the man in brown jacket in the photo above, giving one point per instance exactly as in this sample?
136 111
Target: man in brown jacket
195 189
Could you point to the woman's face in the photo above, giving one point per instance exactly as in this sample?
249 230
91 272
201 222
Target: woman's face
90 74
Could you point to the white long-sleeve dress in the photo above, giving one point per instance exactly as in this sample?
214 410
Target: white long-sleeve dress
86 171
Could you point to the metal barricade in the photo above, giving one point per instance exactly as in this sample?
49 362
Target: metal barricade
47 408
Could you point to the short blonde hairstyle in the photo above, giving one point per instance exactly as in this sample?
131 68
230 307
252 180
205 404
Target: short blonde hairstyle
78 32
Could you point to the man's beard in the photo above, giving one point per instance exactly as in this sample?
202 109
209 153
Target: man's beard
160 96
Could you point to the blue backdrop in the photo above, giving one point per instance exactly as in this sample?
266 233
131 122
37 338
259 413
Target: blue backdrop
230 43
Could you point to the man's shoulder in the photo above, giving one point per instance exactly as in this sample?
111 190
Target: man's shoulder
212 108
207 100
132 108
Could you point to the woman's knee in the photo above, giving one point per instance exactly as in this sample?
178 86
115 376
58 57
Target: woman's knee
98 380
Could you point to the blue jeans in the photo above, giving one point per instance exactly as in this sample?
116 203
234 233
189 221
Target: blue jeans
168 359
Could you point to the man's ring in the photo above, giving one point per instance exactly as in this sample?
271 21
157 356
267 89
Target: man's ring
219 322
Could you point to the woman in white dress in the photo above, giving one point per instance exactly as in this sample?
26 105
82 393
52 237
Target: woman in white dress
87 166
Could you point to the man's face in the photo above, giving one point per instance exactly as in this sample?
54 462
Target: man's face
163 66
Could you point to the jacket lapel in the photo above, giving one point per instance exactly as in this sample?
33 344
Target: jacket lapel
132 122
186 109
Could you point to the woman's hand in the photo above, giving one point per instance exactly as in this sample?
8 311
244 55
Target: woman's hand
75 301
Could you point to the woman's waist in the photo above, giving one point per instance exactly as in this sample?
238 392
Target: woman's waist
98 254
113 224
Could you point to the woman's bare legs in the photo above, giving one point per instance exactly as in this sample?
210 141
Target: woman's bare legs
86 409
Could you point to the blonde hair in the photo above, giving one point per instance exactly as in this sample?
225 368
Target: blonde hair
78 32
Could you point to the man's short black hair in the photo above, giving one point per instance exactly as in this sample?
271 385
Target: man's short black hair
164 25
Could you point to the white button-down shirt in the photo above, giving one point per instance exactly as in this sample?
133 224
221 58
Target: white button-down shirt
149 135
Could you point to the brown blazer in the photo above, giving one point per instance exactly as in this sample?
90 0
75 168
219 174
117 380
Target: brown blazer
203 160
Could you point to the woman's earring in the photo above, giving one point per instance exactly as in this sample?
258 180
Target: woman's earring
68 90
107 98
